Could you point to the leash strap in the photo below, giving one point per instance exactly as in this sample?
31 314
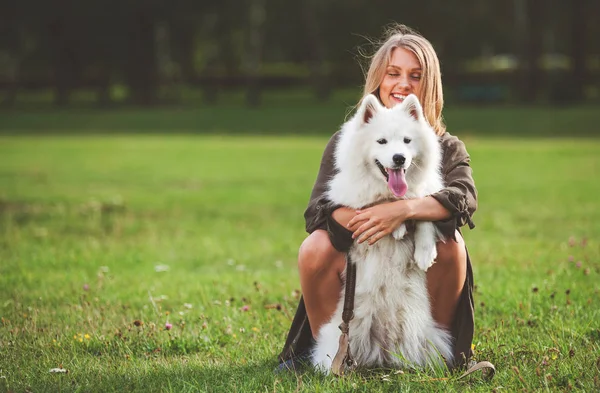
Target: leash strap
343 362
489 370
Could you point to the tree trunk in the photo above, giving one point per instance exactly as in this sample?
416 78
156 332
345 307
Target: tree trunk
257 15
529 18
316 50
63 52
210 91
142 67
578 47
10 29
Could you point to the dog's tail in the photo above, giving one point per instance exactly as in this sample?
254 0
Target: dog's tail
439 346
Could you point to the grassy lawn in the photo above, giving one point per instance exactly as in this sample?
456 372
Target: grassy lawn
167 263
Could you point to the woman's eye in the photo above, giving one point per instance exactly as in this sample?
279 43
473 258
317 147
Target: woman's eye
382 141
407 140
393 75
416 76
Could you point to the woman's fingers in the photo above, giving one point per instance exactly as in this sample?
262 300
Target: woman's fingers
362 228
366 235
357 220
375 238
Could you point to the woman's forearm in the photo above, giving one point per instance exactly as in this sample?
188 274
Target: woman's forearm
343 215
425 209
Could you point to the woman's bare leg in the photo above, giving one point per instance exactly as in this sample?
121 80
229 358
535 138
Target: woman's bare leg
446 278
320 266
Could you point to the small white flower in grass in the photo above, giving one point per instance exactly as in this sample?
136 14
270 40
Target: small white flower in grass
230 262
58 371
104 269
240 268
278 264
161 268
187 305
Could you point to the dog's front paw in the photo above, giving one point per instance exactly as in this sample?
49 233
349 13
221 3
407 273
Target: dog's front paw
399 232
425 256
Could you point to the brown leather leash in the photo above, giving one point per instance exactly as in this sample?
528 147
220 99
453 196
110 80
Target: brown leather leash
488 370
343 362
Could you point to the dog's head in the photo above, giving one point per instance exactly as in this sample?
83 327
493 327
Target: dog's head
392 139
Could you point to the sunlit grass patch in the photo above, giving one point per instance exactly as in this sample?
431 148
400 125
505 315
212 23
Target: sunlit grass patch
169 264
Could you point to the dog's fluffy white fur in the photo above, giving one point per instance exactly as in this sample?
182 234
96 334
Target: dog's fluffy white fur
392 325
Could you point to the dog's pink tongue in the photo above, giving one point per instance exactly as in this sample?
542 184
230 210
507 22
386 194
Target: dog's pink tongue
397 182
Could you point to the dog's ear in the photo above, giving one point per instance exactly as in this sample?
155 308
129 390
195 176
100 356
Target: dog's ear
368 107
413 107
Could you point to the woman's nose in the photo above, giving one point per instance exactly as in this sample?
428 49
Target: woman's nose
404 83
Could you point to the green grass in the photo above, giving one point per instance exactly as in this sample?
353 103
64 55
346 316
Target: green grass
86 222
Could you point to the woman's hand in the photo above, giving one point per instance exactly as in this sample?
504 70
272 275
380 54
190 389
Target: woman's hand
378 221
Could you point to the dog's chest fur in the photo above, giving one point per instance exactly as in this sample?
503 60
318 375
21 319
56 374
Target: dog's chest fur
389 289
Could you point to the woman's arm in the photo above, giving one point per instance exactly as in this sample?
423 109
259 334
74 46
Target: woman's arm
319 207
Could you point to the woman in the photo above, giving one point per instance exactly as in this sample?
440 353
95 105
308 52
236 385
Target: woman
404 64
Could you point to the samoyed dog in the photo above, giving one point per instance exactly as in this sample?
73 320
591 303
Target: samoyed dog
384 155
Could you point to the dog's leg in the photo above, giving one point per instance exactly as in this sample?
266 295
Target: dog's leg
425 244
326 346
399 232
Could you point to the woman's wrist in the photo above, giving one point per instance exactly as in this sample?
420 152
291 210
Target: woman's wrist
424 209
404 209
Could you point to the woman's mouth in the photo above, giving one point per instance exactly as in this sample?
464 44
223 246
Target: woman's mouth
397 97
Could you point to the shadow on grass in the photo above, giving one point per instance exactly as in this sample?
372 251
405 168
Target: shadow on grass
180 376
185 376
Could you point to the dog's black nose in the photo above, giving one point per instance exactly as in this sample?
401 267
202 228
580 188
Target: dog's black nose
398 159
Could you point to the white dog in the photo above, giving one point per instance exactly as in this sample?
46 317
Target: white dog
382 155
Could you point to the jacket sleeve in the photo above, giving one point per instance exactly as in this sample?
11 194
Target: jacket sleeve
459 196
319 207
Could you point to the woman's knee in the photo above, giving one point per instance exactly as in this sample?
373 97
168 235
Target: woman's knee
317 254
452 253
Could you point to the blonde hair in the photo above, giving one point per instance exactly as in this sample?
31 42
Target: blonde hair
432 96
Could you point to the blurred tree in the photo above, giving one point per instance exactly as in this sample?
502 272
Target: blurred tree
317 50
64 30
141 65
256 20
529 19
579 20
10 39
154 46
211 21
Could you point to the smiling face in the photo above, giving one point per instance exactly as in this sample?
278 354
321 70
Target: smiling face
402 77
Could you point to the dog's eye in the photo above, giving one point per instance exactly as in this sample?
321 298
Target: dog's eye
382 141
407 140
